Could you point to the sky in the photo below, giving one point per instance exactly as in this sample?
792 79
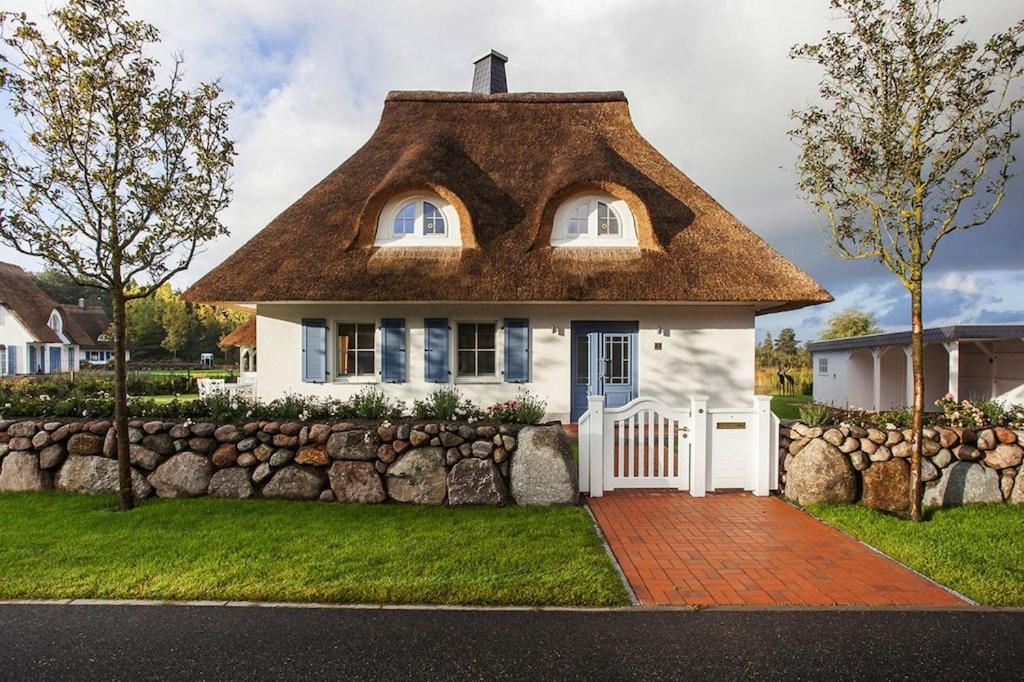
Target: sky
709 84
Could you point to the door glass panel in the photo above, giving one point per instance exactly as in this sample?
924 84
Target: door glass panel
582 359
616 359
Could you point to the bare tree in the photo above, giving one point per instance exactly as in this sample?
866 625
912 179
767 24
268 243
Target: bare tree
912 141
115 175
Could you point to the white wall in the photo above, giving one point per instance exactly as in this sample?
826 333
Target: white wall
12 333
704 349
977 372
830 387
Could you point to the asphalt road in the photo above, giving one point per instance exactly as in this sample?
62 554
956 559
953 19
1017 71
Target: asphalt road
197 643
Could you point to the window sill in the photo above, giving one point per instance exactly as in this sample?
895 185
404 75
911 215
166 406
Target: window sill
355 380
478 380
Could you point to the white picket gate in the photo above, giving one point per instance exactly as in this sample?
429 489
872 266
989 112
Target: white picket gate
648 444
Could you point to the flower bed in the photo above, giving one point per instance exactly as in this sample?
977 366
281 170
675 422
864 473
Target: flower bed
430 462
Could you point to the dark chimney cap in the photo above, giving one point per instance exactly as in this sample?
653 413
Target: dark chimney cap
489 74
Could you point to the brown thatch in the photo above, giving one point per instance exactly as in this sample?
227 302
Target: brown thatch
505 162
32 307
243 335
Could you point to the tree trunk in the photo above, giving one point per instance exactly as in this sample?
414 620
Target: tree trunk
124 468
917 354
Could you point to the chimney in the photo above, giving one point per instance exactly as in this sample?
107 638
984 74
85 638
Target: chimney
81 303
489 73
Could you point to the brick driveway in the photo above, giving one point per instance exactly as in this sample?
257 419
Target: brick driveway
734 548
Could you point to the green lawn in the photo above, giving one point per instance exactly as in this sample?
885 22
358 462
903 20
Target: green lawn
55 545
788 406
976 550
164 399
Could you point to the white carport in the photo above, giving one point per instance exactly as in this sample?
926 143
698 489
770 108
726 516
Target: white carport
967 361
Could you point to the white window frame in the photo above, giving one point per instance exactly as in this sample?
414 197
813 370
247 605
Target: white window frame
823 366
386 236
499 355
627 236
332 364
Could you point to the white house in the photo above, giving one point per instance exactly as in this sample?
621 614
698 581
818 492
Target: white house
967 361
500 242
40 336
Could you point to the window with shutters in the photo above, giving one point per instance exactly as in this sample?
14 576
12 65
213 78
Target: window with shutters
356 350
477 351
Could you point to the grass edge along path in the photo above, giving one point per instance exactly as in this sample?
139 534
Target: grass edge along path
60 546
976 550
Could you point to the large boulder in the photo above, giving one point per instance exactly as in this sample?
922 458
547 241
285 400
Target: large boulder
84 444
355 445
1017 494
230 482
418 477
21 471
184 475
963 483
295 482
887 486
477 482
96 476
1004 456
543 471
820 473
356 482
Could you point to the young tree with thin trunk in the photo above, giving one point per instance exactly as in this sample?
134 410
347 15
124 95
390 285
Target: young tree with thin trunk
912 141
116 174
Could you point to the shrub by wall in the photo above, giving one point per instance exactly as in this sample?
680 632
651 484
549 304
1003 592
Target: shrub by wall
421 462
847 463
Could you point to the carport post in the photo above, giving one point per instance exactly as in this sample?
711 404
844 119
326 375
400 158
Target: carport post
762 444
595 406
699 446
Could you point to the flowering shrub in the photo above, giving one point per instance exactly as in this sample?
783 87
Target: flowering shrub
524 409
979 413
446 403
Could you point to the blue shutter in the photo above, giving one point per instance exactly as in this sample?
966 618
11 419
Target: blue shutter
517 350
32 360
435 351
392 350
12 360
314 350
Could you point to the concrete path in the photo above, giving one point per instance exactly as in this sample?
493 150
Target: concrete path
50 642
737 549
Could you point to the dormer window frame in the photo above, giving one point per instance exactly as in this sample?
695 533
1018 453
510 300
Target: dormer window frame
594 220
56 322
428 209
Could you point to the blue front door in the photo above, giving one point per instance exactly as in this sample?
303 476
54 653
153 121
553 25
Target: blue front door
603 363
54 359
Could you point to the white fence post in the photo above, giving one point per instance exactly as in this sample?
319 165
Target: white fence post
699 445
595 408
762 444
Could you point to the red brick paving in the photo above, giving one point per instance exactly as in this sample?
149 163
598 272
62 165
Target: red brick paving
734 548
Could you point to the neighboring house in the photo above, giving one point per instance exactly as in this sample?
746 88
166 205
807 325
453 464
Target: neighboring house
244 339
874 372
500 242
41 336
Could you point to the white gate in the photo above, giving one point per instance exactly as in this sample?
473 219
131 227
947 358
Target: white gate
648 444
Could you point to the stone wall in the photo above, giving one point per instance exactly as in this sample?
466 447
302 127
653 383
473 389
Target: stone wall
849 464
425 462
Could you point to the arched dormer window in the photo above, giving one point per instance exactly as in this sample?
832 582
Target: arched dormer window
55 323
593 220
421 219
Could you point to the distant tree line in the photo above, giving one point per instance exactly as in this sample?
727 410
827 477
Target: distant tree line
160 327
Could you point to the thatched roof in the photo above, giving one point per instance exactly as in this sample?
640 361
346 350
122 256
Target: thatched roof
505 162
242 335
32 307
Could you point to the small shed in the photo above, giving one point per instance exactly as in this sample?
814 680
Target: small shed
874 372
243 338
